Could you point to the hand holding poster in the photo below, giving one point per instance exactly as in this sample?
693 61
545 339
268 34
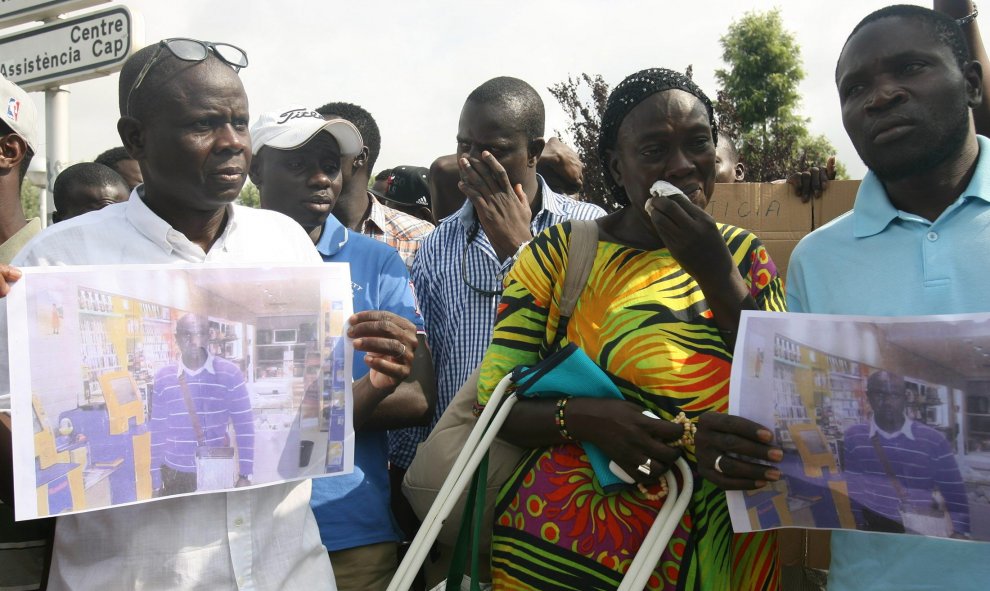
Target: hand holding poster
144 382
884 422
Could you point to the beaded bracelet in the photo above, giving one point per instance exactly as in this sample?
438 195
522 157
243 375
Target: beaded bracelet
558 418
687 439
654 496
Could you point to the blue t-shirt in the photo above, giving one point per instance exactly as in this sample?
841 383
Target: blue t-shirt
353 510
877 260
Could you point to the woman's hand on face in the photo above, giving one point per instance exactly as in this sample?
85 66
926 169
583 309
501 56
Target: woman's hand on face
627 436
720 435
691 235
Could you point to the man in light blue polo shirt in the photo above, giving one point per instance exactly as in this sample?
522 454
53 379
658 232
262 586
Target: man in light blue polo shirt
297 170
915 243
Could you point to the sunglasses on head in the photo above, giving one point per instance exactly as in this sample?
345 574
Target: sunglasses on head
190 50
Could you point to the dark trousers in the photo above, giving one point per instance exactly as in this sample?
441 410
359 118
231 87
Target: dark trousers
175 482
876 522
406 518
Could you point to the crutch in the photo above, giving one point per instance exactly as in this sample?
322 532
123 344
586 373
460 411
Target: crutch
663 527
477 444
475 448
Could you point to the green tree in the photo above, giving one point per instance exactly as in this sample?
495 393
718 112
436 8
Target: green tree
30 200
758 99
583 100
250 196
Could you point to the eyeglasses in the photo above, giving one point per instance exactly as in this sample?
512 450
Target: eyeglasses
183 335
881 394
475 228
190 50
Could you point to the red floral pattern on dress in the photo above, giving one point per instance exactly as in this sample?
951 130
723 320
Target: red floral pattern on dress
560 501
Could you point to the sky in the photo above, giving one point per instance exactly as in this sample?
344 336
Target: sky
411 63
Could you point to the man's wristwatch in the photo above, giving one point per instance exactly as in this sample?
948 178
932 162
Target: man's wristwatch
519 251
969 17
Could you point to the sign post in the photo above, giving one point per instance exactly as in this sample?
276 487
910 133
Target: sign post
57 144
69 50
60 52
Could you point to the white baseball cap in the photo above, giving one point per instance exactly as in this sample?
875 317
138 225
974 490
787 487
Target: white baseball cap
290 128
18 112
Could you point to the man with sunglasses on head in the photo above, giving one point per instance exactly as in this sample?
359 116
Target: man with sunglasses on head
184 118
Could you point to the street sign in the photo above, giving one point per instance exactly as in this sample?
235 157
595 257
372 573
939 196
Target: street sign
69 50
15 12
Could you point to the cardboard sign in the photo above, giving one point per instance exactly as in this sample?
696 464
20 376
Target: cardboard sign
776 215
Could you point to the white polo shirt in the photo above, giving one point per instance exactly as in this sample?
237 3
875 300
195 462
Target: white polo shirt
260 539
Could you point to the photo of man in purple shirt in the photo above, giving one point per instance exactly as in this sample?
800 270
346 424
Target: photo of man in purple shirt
193 403
897 466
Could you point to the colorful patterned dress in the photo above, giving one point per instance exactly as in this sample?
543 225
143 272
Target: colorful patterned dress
646 322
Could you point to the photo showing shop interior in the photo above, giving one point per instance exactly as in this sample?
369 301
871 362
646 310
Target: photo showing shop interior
819 391
97 345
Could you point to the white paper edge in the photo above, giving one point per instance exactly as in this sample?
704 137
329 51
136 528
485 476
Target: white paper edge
22 430
734 499
26 506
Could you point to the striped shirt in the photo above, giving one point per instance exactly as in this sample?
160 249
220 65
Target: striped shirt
923 462
403 232
220 398
459 319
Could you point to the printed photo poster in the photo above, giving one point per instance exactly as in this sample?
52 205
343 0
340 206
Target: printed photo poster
143 382
884 422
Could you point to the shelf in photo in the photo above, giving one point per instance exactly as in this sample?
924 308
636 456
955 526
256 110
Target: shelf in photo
844 375
95 313
158 320
791 363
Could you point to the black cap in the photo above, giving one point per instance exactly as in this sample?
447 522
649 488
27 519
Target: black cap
407 185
